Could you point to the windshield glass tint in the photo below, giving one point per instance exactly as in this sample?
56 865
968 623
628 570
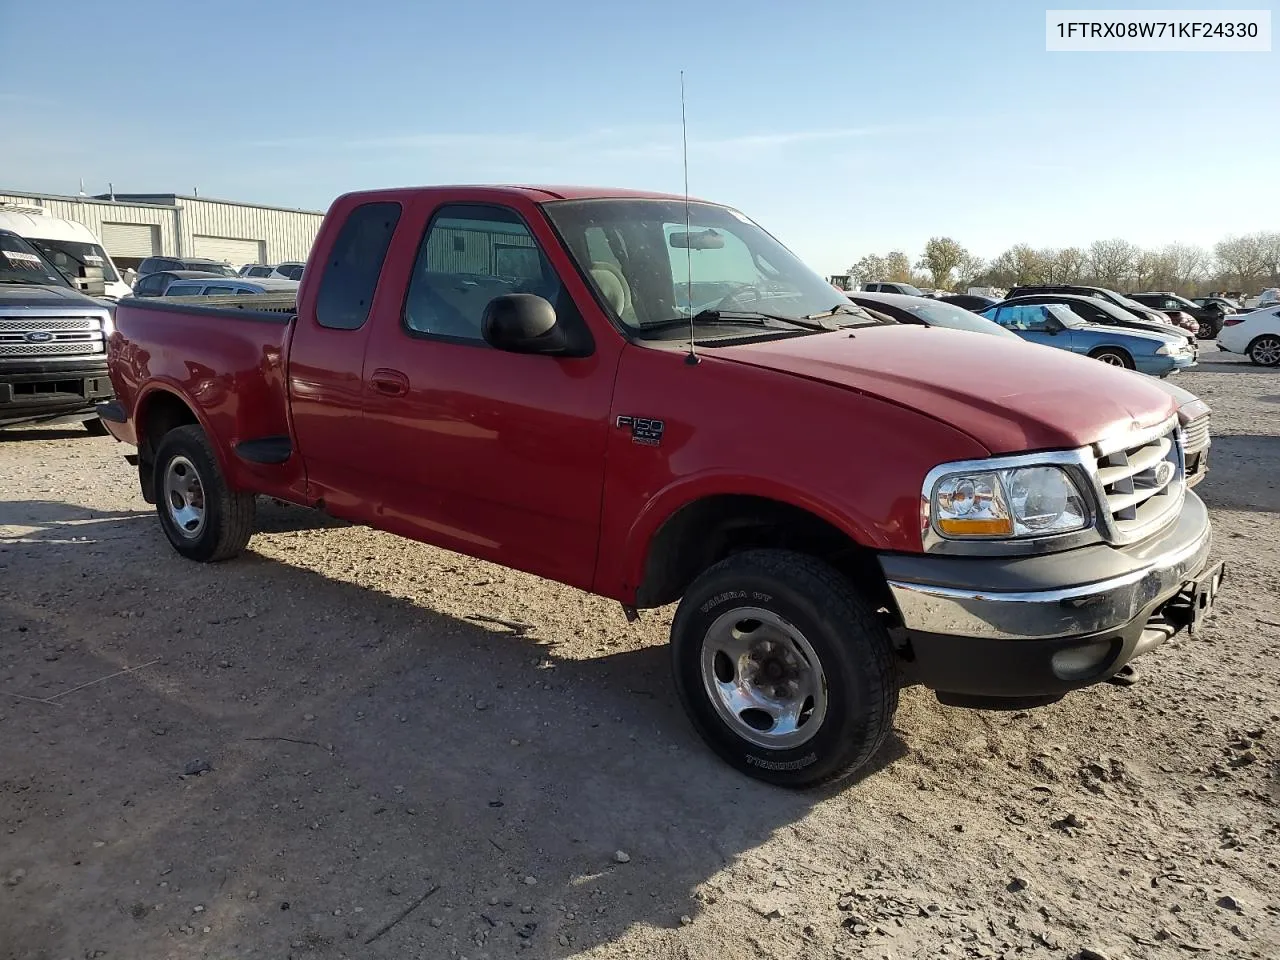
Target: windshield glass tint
648 266
70 256
938 314
21 264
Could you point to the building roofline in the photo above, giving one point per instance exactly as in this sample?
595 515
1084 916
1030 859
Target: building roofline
105 199
171 199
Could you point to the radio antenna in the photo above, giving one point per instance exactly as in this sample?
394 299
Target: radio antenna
692 358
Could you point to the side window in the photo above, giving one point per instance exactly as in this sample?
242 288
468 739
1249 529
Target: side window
470 254
354 264
183 290
224 291
1171 305
1022 316
152 285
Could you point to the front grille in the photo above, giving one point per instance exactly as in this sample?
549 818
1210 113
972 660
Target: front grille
1142 485
60 337
52 324
75 348
1195 435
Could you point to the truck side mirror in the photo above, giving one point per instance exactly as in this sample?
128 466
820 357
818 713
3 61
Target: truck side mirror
523 323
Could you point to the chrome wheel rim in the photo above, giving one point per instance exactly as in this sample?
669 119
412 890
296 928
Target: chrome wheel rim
1111 360
184 497
1267 352
763 678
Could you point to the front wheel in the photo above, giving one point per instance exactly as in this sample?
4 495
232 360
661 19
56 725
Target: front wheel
1114 358
785 670
1265 351
203 518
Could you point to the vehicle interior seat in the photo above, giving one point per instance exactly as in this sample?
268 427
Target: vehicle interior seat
613 286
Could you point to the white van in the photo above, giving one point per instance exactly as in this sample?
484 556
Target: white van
68 245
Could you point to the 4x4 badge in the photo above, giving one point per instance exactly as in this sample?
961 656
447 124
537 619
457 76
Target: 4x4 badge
644 430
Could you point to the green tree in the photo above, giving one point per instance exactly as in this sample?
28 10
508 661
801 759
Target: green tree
942 257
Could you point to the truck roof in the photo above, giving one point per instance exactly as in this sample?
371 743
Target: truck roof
536 193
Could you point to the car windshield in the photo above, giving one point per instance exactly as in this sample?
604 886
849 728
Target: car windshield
69 256
938 314
652 269
21 263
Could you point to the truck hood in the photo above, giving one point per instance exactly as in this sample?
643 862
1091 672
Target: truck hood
1007 395
37 295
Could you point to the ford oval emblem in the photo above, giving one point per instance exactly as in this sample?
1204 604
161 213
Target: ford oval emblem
1164 473
39 336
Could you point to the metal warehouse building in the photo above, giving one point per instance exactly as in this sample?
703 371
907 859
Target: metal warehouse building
138 225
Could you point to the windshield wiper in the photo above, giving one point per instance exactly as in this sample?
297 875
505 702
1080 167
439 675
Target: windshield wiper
737 318
842 308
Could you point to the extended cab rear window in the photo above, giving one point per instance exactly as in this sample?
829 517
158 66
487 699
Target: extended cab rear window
350 272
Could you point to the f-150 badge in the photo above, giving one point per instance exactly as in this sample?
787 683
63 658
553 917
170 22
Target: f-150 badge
644 430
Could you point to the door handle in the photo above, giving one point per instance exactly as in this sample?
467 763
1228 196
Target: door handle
390 383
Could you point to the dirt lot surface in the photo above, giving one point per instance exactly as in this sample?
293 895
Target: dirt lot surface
316 736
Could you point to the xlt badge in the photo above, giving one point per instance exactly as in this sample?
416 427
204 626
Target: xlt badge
644 430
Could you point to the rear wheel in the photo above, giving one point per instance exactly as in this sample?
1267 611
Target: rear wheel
202 517
784 669
1265 351
1113 357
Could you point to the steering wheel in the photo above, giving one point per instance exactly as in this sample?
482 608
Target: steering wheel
735 297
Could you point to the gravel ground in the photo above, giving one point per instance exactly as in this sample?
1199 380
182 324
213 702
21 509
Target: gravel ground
315 737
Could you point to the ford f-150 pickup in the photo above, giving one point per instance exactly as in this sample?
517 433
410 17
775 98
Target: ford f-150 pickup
53 358
654 400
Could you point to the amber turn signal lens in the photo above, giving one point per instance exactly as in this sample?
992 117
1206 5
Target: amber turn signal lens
962 527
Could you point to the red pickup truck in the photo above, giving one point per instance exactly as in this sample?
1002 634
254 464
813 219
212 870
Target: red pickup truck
653 400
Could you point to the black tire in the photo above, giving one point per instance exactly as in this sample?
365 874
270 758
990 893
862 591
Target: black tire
1113 356
95 427
1211 327
851 645
225 516
1265 350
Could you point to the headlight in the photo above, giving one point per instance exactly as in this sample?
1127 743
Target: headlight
1033 501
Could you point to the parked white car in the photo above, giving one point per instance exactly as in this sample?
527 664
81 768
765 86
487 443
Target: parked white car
229 287
1255 334
1267 298
289 270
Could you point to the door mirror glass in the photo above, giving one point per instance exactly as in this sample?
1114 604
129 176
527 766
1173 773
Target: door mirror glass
522 323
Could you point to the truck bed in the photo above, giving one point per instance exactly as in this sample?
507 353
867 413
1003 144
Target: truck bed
226 362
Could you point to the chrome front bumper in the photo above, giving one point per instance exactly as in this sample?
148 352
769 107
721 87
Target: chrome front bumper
1048 597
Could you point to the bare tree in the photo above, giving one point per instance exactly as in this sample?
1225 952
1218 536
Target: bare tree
1181 266
1242 259
1146 267
1069 264
968 270
1112 262
1269 252
942 256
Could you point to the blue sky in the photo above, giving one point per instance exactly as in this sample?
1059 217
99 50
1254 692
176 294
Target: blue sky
844 128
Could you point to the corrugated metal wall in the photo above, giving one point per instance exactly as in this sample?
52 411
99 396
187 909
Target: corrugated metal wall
457 250
286 234
92 213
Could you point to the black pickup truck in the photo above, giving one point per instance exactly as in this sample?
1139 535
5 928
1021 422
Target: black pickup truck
53 358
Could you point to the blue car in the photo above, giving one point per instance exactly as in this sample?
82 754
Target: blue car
1054 325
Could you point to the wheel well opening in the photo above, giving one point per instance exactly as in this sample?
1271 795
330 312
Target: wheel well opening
707 531
161 413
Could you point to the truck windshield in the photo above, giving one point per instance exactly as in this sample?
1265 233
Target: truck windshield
21 263
651 268
70 255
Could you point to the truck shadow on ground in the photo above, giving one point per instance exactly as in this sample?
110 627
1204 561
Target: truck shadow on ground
1244 473
364 748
